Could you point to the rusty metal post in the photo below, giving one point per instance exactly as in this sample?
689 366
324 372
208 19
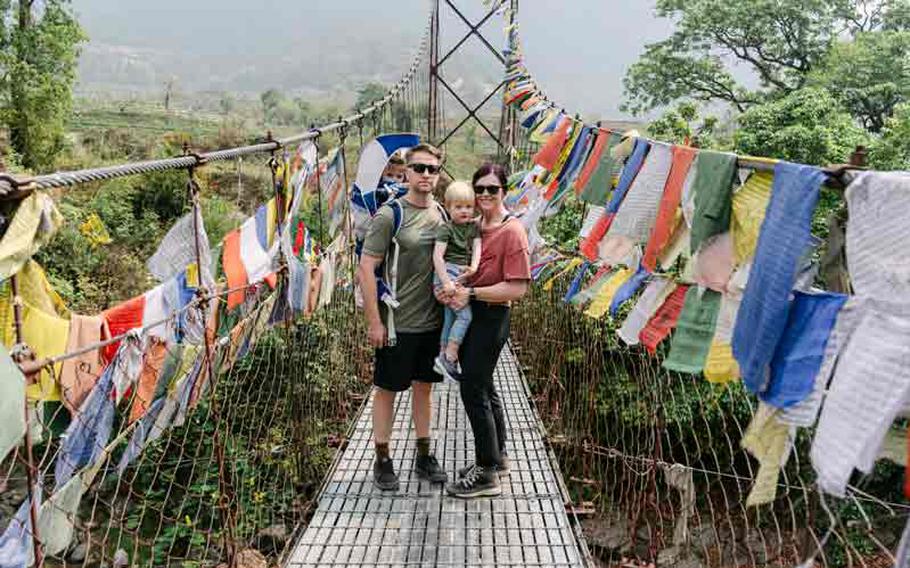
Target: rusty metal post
858 157
31 469
224 481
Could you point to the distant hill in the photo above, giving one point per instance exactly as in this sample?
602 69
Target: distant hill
319 49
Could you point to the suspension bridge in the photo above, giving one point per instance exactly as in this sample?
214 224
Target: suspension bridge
224 418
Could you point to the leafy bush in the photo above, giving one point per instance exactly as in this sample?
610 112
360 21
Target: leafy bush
808 126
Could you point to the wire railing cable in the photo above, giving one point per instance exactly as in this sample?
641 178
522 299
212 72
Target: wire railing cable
12 187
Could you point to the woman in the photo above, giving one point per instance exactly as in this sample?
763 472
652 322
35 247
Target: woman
503 276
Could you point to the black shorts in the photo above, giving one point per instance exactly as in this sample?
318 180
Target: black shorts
411 359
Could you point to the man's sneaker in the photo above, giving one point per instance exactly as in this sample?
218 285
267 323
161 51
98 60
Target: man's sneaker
446 368
384 475
428 468
503 469
478 483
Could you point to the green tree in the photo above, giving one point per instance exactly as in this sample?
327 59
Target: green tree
39 50
369 94
892 150
870 75
680 125
780 41
270 100
807 126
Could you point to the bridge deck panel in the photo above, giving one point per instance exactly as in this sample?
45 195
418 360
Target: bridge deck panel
355 524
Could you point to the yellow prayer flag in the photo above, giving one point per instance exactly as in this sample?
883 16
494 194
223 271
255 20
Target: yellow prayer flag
749 204
192 275
36 291
570 266
271 210
766 438
34 223
47 336
720 366
601 303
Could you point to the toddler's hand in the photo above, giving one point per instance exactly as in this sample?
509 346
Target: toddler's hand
468 272
449 288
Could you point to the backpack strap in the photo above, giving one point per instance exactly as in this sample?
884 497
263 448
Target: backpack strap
442 212
390 269
397 215
390 265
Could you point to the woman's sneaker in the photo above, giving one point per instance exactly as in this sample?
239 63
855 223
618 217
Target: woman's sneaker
446 368
503 469
478 483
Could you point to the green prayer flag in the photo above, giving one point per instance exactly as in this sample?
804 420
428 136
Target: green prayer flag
601 181
713 190
694 331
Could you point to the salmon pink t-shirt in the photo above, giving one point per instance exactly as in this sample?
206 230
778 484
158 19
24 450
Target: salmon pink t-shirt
504 255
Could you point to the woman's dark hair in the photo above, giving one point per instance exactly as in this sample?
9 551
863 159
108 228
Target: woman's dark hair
491 168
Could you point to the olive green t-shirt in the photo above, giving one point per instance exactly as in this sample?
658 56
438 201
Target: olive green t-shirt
418 310
459 241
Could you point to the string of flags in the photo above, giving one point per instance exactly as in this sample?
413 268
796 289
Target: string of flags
715 265
147 356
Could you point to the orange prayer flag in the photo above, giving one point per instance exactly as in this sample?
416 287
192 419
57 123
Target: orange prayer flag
233 269
549 153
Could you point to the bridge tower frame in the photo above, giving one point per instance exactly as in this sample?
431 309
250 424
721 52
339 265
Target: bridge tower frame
503 135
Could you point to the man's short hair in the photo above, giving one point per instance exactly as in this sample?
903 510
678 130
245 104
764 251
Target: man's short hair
424 148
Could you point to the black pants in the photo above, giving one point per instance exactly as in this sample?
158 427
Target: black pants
479 353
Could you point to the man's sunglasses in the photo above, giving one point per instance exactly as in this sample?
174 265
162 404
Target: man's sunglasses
424 169
491 189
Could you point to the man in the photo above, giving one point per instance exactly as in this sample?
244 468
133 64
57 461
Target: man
417 319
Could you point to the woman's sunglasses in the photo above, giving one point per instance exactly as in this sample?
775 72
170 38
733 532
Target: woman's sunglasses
424 169
491 189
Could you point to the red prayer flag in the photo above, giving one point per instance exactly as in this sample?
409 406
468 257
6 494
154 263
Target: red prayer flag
120 319
683 157
588 247
664 320
548 154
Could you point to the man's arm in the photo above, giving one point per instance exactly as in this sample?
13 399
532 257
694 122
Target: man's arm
376 331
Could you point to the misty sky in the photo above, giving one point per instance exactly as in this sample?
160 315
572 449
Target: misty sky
579 56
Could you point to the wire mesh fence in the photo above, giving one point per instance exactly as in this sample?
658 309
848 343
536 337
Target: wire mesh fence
656 457
175 448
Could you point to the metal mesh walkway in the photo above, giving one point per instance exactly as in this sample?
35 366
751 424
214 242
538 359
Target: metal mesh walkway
358 525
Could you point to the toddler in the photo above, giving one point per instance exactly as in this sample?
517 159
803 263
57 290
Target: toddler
455 258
